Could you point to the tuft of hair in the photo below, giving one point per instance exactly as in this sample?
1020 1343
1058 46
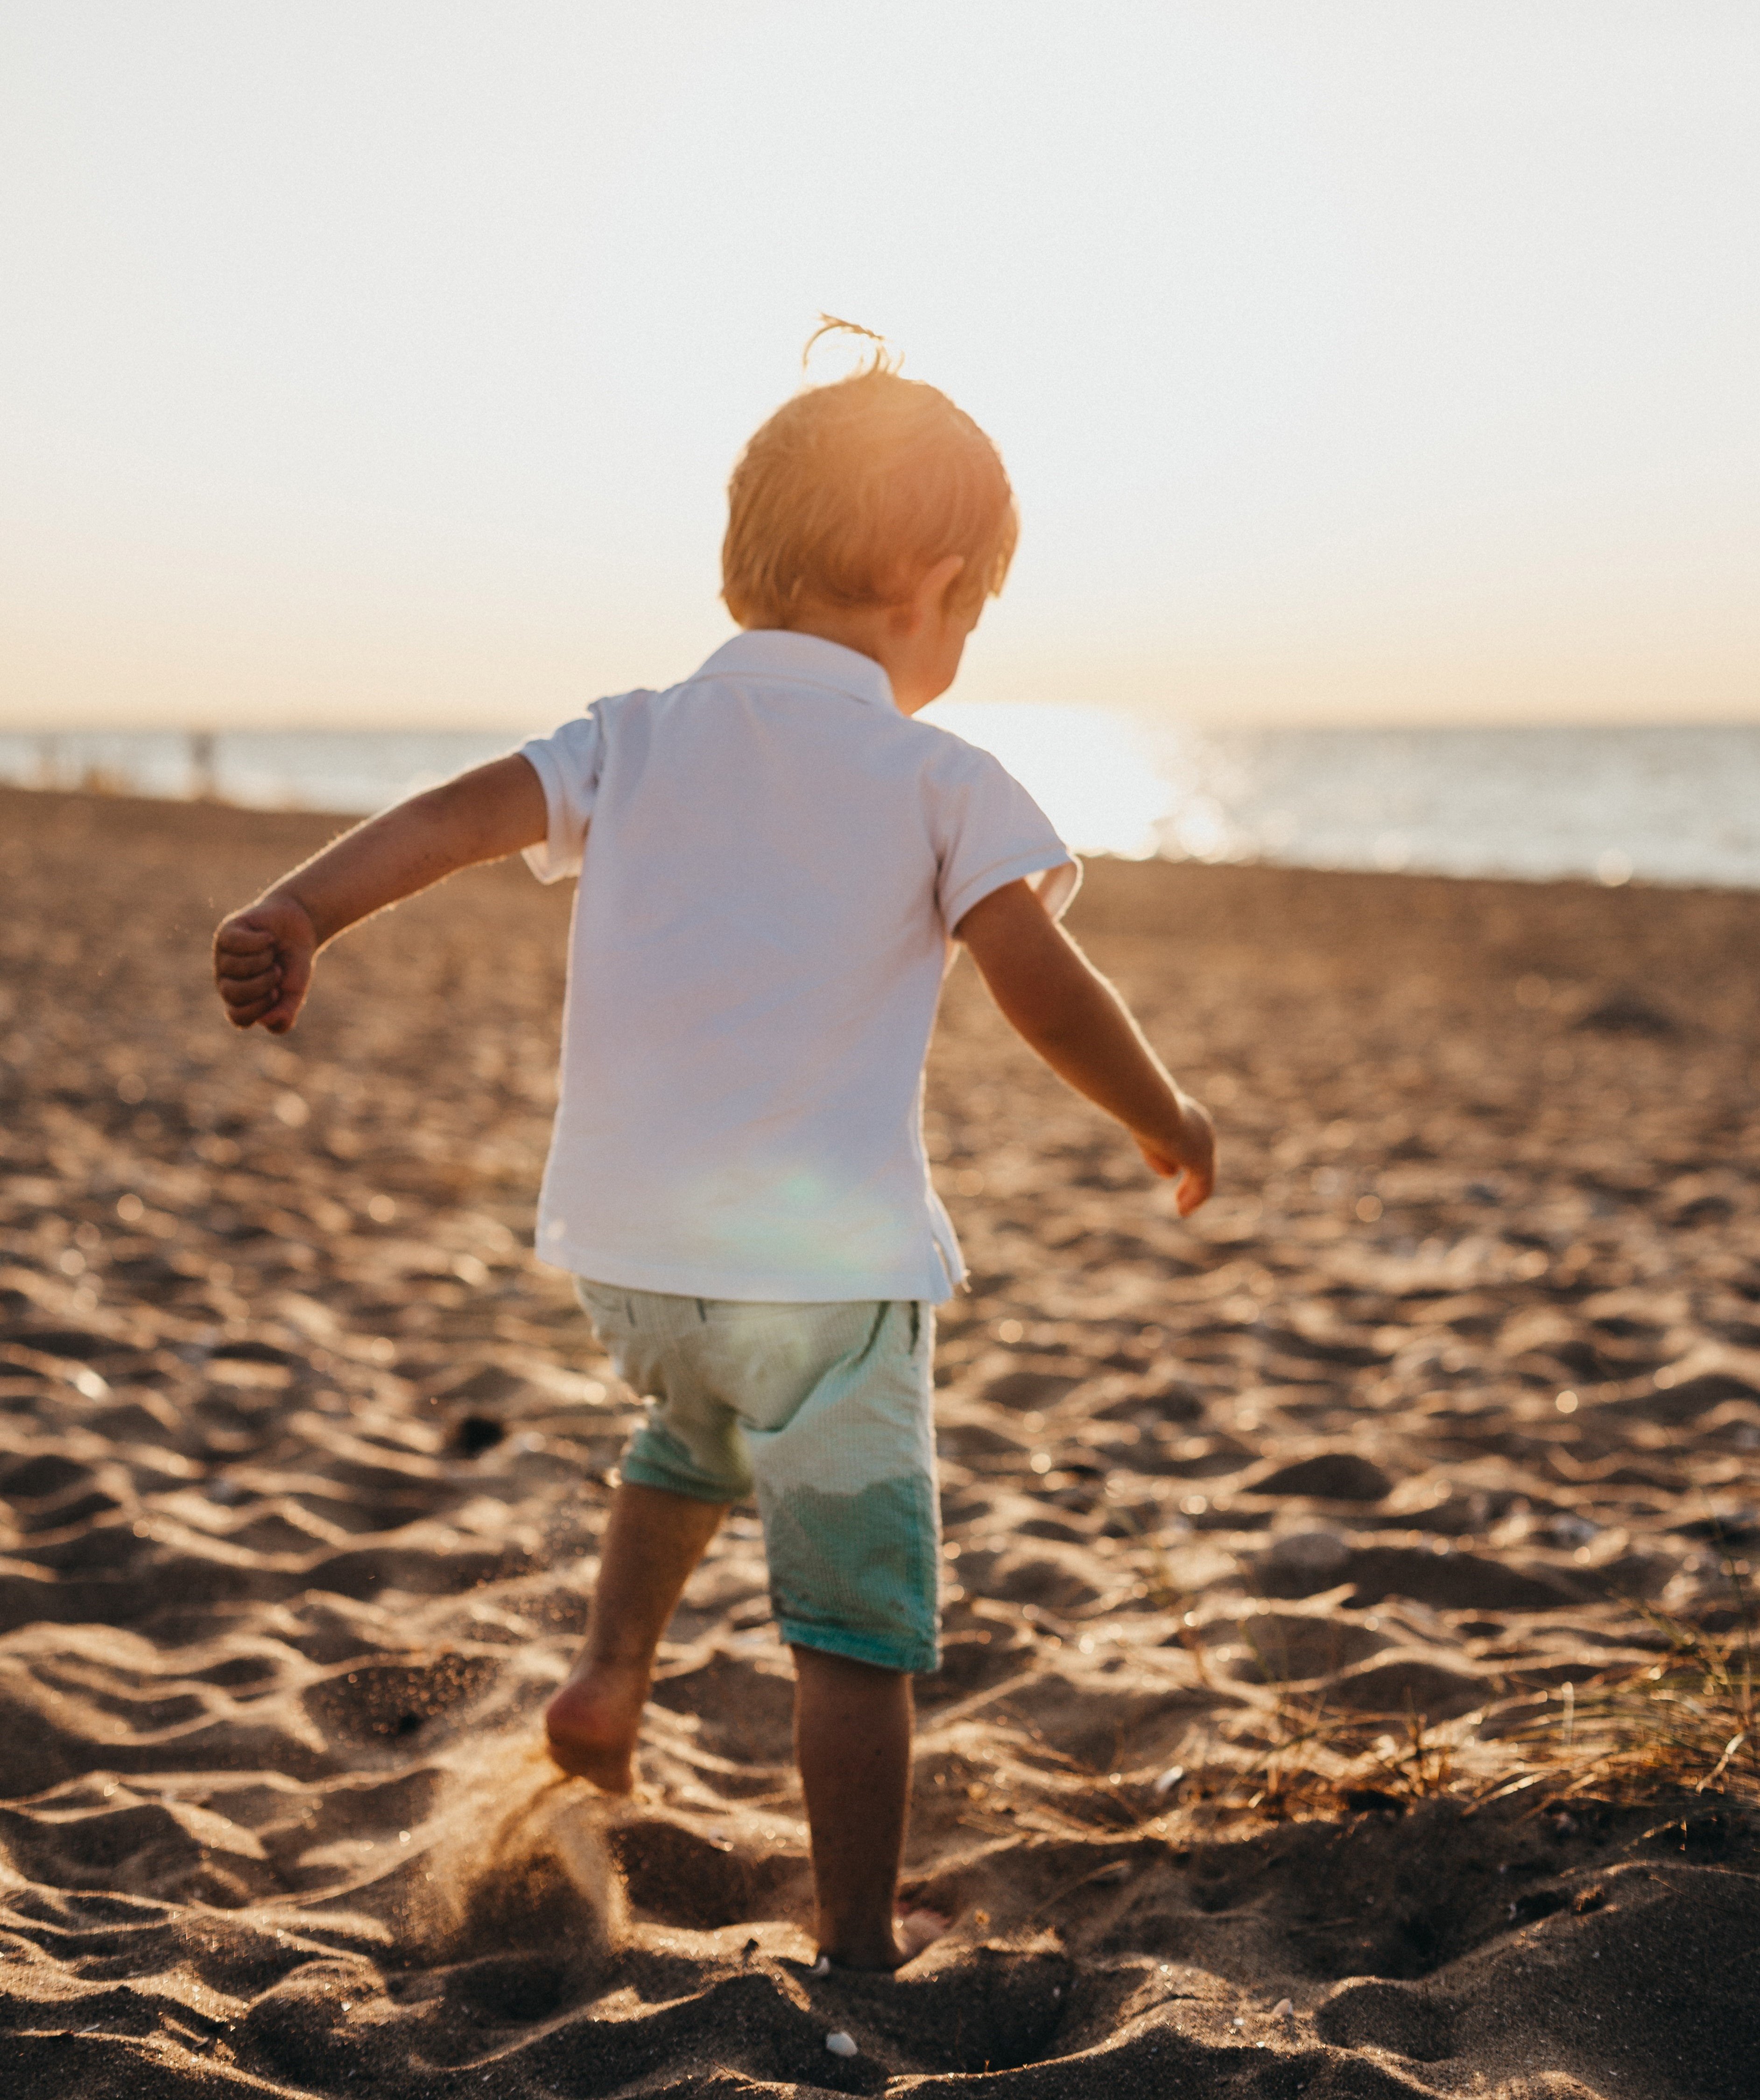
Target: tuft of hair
853 489
882 358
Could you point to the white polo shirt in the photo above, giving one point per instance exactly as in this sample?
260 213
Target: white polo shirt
772 861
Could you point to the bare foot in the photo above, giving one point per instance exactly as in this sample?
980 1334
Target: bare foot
592 1724
912 1931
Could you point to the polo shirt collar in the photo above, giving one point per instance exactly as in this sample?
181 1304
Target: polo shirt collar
801 660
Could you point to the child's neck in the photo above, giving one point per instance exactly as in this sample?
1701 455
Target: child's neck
864 629
917 641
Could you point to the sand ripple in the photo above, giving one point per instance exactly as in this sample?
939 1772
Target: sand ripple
1281 1549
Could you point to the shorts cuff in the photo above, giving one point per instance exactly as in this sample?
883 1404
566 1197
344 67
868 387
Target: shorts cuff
916 1658
641 1475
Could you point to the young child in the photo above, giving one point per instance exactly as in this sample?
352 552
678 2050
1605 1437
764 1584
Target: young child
776 859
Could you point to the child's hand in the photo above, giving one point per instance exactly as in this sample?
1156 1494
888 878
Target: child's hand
1186 1155
262 963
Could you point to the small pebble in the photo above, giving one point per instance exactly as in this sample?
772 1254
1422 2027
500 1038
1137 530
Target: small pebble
1283 2008
840 2044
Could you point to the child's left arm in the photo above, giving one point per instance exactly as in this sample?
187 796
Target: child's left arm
263 956
1061 1006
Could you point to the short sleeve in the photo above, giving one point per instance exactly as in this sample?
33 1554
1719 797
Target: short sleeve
568 764
991 831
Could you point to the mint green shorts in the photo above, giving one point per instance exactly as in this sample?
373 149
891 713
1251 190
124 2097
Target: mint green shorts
824 1412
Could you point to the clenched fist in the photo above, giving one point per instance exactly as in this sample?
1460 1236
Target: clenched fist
262 963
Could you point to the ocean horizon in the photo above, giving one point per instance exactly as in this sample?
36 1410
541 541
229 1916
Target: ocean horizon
1609 804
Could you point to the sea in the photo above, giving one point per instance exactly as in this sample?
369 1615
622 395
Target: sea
1610 805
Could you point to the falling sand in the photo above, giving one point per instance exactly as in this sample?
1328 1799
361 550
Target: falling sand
1346 1591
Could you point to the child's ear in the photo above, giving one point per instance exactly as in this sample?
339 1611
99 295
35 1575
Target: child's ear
928 600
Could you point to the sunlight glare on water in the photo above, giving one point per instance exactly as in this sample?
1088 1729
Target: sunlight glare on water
1093 774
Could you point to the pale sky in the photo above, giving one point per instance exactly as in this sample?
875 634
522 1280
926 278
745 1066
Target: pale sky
380 362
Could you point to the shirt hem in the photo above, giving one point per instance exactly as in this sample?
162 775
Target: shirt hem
924 1286
1047 860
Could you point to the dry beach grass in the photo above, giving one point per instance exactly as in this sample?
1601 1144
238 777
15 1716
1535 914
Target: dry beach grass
1348 1688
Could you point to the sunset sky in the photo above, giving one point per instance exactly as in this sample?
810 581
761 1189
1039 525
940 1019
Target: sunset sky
380 365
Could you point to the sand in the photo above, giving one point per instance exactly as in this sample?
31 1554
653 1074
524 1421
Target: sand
1303 1561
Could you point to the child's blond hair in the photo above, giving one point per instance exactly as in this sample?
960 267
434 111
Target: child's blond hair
851 491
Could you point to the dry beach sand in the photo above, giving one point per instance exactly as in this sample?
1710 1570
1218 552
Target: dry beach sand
1338 1584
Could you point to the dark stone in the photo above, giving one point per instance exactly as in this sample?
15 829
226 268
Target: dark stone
475 1433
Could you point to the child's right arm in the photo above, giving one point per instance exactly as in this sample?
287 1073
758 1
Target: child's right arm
1061 1005
263 956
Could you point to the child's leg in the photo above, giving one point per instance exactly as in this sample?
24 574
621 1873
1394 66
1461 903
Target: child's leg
846 1489
852 1743
653 1539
